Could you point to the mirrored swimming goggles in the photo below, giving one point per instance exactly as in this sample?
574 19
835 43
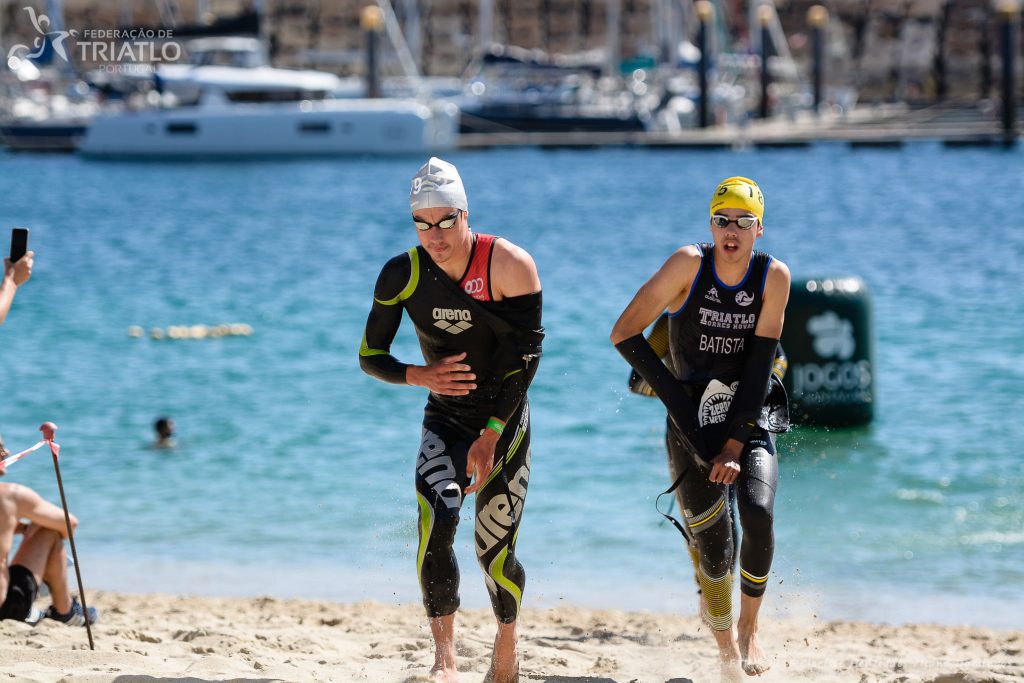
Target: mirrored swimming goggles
743 222
445 223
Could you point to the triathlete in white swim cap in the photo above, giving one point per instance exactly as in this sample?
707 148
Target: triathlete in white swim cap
475 301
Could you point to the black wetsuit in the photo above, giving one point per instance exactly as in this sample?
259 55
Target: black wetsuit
502 345
707 339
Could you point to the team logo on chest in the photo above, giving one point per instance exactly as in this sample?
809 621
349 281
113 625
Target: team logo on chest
452 320
474 287
744 298
715 402
712 295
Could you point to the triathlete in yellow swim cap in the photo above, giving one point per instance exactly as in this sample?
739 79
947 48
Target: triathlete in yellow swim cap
726 304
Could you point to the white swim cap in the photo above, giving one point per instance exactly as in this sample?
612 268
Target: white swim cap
437 184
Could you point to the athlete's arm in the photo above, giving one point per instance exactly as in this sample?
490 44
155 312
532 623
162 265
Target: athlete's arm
375 357
514 280
447 376
666 289
757 369
513 272
776 297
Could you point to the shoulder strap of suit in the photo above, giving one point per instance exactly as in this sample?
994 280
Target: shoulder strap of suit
477 280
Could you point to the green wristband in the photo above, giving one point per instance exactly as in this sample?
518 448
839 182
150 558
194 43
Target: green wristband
496 424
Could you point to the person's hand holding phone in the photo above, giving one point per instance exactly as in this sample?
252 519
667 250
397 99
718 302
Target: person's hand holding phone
17 270
21 271
18 266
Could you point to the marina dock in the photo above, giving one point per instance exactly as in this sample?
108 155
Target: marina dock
955 125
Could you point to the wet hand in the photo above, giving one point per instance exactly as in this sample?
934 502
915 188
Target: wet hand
480 460
447 377
725 467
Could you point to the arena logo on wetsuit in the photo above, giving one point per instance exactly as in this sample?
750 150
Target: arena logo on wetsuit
498 518
438 470
715 402
712 295
461 315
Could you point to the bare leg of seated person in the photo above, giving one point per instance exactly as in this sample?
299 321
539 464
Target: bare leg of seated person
42 553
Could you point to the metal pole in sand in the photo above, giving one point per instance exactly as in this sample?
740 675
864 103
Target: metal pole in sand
48 428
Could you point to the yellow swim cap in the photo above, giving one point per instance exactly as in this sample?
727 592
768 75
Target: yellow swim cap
738 193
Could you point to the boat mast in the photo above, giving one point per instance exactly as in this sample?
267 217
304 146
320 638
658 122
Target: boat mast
486 25
613 10
777 34
414 37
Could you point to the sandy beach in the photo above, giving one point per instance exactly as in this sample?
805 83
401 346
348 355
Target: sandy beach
167 637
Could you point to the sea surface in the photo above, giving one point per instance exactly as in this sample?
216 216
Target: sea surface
293 473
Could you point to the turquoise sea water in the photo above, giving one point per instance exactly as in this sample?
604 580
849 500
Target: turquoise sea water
294 471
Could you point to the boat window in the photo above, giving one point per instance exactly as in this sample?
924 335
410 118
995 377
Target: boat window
182 128
233 58
275 95
315 127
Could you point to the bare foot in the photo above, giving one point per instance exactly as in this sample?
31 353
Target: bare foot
505 659
442 674
509 677
443 630
731 672
729 655
755 662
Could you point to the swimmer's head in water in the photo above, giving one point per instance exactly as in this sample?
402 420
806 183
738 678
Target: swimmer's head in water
738 193
437 185
164 427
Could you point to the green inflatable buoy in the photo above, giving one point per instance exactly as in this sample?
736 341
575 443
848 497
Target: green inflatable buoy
828 338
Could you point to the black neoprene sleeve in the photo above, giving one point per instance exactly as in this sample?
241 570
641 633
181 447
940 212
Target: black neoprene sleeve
749 399
639 354
375 357
523 314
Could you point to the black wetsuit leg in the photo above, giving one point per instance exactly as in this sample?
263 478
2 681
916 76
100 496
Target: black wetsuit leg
705 508
706 515
755 498
499 512
440 482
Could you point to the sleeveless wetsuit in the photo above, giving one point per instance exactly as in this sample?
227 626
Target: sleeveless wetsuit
447 324
707 338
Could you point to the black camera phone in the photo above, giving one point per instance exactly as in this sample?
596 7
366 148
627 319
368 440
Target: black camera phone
19 243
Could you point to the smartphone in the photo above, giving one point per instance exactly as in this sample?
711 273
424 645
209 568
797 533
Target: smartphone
19 243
